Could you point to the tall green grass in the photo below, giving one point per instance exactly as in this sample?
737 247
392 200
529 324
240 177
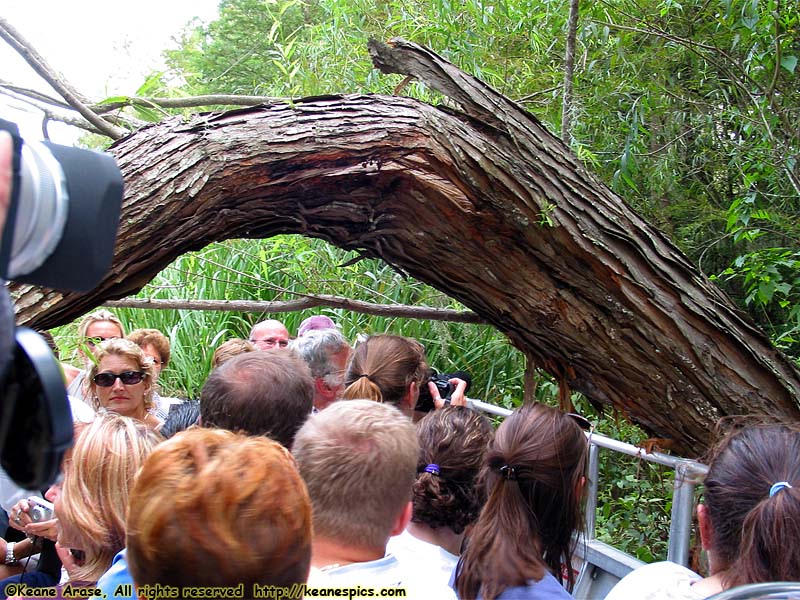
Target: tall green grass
283 267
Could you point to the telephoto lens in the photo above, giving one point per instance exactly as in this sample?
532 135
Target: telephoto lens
63 217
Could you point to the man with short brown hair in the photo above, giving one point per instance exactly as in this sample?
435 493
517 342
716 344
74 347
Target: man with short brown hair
359 458
260 393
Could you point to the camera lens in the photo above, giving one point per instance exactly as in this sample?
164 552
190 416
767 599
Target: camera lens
42 210
64 211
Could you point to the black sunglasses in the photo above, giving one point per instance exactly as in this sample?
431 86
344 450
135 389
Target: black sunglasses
108 378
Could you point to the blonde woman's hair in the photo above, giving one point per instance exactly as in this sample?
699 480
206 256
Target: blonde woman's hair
96 316
98 479
358 459
127 350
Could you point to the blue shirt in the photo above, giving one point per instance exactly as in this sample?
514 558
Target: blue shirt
116 576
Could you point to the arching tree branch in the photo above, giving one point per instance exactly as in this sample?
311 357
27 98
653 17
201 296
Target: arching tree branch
485 205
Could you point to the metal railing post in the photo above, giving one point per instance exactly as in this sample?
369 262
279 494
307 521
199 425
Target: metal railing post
593 479
681 519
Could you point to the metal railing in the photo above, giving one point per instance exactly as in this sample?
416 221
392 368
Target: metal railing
688 474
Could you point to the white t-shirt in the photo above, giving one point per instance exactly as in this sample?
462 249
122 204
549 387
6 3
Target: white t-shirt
385 572
657 581
427 561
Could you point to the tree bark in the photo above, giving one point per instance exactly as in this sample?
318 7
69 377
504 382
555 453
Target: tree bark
482 203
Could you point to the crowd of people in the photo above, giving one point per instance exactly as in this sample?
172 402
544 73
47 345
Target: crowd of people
306 462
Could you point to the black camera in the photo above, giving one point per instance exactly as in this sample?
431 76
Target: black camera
443 385
60 231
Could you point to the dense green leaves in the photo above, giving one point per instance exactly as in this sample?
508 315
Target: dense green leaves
689 110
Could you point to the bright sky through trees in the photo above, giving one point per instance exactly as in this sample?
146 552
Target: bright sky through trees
102 48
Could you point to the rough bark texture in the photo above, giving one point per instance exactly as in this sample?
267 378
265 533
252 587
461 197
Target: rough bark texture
482 203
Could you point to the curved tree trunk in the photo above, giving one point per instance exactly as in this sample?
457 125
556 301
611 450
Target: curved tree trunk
480 202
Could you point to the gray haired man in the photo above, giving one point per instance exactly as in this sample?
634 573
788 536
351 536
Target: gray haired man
326 351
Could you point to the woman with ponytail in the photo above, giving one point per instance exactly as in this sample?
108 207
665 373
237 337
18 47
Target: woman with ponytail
522 543
446 498
391 369
749 522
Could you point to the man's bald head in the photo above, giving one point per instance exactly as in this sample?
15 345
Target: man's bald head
269 334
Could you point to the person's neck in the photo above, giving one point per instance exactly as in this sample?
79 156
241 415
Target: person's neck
709 586
444 537
326 552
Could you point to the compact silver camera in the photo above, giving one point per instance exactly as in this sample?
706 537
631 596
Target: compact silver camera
40 509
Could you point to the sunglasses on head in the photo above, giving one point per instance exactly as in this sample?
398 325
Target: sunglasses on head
108 378
93 341
581 421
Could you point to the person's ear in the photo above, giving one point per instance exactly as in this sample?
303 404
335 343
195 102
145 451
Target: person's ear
704 526
323 389
413 395
402 520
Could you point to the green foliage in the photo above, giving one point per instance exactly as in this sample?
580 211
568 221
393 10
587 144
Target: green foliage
688 110
286 267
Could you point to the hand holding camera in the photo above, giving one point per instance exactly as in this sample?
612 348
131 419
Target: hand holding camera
442 389
19 517
35 518
43 520
455 393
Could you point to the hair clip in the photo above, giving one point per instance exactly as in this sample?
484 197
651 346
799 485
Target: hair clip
432 468
777 487
508 473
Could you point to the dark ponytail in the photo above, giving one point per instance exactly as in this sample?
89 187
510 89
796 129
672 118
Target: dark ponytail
753 532
533 477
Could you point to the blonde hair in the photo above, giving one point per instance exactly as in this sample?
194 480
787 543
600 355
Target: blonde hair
358 459
98 478
215 508
228 349
97 316
129 351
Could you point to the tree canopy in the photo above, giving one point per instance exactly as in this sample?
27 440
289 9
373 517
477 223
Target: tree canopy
688 110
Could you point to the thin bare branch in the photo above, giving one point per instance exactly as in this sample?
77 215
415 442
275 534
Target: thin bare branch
51 115
367 308
569 68
55 79
190 102
30 94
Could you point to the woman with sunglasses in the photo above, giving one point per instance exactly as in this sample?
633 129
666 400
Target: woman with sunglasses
121 381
